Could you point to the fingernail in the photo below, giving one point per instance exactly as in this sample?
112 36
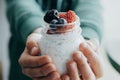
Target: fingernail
73 65
33 49
85 45
78 55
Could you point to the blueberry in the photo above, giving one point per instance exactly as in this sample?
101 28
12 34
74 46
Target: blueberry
50 15
53 23
62 21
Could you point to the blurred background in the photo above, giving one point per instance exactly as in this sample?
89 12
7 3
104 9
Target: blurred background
111 40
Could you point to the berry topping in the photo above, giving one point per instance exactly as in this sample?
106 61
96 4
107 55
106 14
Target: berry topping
61 21
62 15
58 21
50 15
53 22
71 16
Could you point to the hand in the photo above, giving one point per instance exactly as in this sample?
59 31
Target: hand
86 64
34 66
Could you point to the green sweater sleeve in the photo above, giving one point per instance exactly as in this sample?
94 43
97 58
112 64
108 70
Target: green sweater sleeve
24 17
90 13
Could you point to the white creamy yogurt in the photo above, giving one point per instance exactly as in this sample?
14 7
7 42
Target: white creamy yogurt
61 46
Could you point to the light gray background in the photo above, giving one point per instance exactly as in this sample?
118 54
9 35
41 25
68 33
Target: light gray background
112 31
4 37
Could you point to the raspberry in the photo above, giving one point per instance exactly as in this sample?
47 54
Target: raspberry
62 15
71 16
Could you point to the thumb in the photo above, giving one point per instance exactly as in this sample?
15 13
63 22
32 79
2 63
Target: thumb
35 51
32 44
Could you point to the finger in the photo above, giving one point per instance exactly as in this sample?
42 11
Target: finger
65 77
83 66
51 76
39 71
93 59
35 51
27 61
33 41
93 43
73 71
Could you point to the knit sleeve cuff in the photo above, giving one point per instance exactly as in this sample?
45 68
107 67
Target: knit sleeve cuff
29 26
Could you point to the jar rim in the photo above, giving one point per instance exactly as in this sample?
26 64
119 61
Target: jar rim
68 24
46 26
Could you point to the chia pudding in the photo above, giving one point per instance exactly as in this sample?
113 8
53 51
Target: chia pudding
60 44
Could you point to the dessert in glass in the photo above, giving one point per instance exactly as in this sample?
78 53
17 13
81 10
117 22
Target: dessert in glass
61 37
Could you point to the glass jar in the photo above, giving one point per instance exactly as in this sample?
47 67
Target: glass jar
61 46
